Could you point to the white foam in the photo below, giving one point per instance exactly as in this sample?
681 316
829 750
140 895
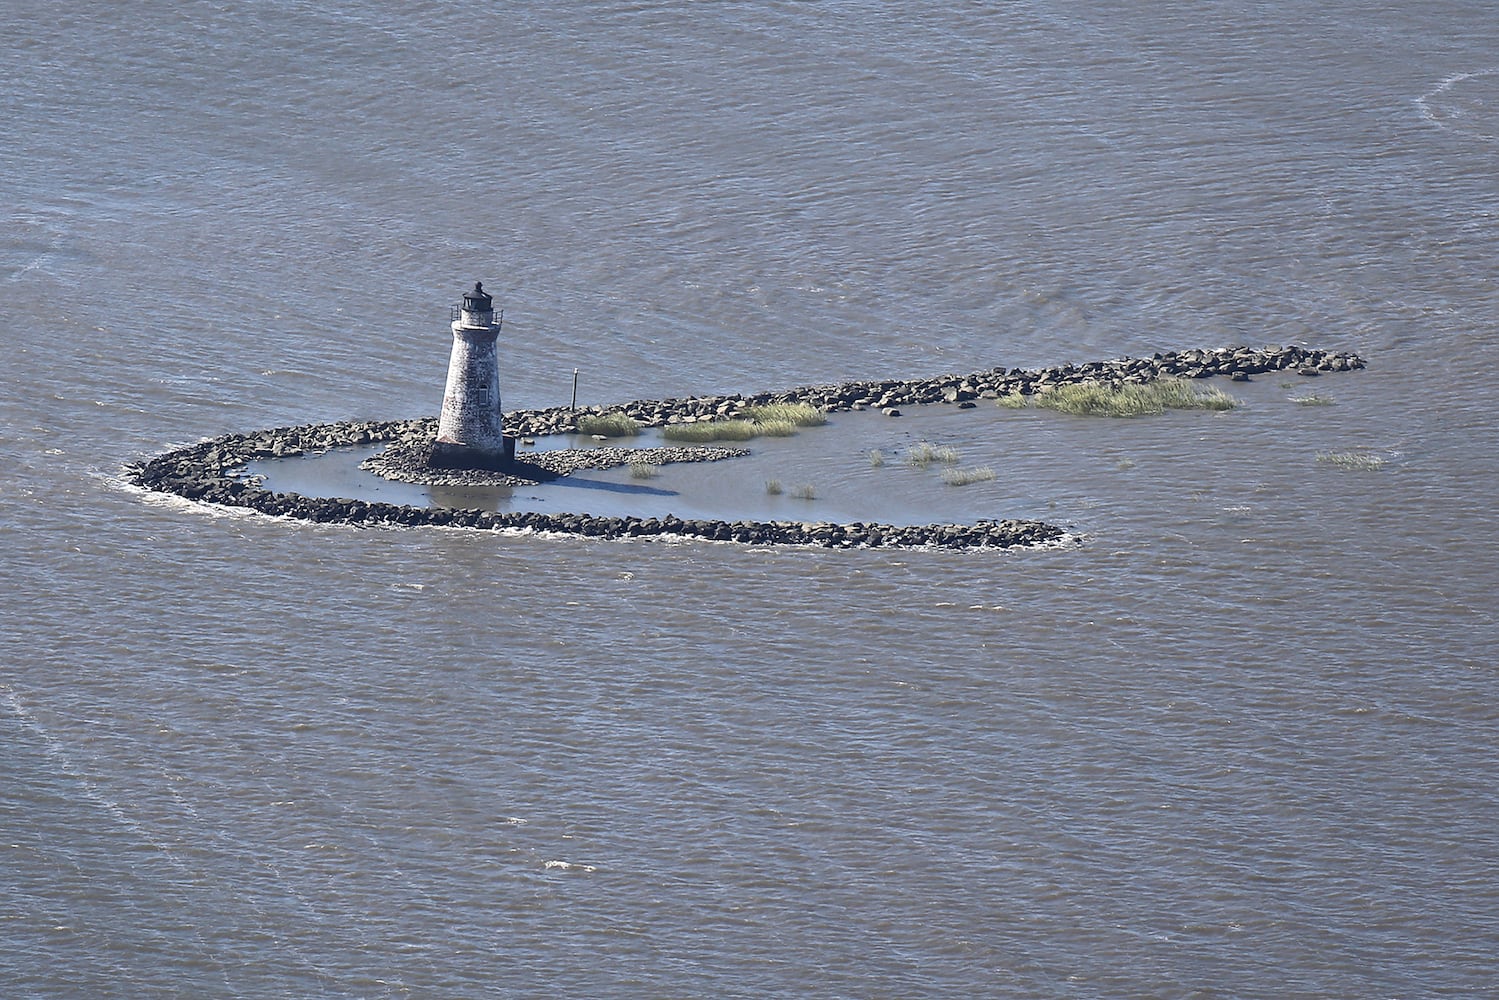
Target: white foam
42 263
1446 110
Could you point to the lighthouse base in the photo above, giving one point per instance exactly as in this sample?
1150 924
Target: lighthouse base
448 455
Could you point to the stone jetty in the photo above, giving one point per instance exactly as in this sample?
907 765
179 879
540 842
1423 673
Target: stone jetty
210 471
1235 363
409 460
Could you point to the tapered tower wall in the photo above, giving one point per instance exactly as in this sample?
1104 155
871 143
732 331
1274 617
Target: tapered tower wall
470 432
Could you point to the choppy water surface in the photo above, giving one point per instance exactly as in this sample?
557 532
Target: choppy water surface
1240 739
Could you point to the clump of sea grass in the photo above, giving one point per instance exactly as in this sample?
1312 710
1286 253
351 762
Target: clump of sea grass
608 424
806 491
642 470
773 487
963 477
876 458
796 414
1012 401
710 430
1358 460
924 453
770 420
1133 399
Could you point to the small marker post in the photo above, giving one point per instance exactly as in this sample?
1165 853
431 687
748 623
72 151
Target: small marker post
574 405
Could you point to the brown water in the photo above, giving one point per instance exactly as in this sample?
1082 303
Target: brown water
1238 740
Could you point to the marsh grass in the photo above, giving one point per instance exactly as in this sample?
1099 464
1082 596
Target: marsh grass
773 487
1133 399
710 430
795 414
776 428
771 420
1358 460
609 425
924 453
876 458
806 491
1012 401
963 477
642 470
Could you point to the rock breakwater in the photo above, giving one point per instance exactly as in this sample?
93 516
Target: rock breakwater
1238 363
407 461
211 471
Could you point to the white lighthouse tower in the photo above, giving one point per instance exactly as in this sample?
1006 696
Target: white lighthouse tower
469 432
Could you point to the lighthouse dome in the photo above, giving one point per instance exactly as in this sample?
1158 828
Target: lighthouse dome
478 300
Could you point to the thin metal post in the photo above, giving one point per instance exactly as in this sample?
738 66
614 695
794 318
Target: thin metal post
574 405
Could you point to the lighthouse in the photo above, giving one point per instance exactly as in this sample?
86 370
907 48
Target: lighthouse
469 432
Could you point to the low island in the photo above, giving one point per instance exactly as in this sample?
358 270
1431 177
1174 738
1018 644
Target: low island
211 471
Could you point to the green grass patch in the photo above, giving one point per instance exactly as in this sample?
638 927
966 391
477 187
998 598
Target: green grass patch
773 487
770 420
1012 401
1361 461
806 491
876 458
962 477
775 428
924 453
609 425
711 430
642 470
795 414
1134 399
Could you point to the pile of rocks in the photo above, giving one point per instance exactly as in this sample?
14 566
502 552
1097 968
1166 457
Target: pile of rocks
407 460
1237 363
984 535
210 470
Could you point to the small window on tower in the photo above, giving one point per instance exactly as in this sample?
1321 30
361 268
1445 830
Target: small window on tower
483 395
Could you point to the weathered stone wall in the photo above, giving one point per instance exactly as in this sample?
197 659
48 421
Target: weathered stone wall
471 415
200 472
